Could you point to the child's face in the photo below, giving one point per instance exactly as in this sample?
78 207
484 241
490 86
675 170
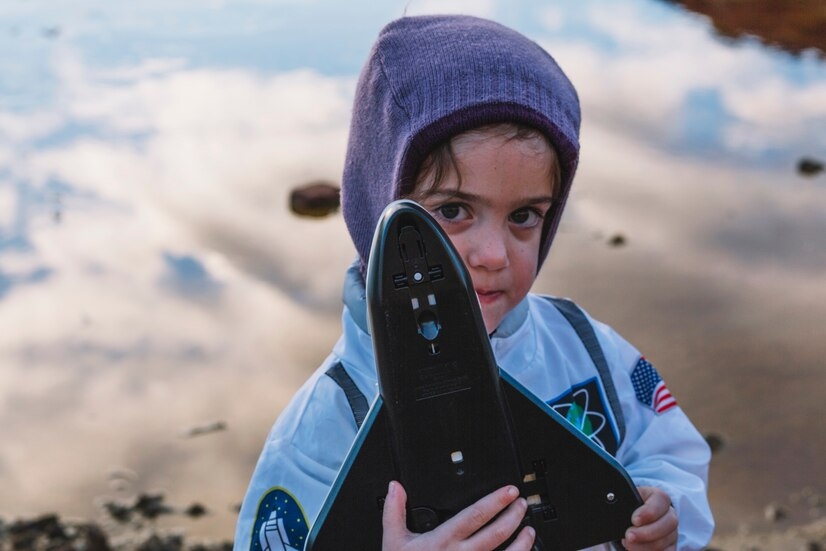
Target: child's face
494 219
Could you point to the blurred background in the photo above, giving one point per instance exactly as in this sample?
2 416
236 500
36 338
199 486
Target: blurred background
160 303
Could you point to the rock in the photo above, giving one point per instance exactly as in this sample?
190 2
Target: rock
151 506
196 510
26 534
809 167
315 199
48 532
225 546
715 441
617 240
774 512
156 542
93 538
207 428
118 511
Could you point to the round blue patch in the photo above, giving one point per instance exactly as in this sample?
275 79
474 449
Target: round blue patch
280 524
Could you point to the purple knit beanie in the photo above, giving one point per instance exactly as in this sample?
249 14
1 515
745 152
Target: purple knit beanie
429 78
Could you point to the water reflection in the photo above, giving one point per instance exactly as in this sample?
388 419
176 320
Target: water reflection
152 278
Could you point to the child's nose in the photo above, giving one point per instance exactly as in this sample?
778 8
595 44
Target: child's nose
489 250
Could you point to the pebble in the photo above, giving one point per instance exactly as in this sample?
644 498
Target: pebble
196 510
207 428
715 441
774 512
617 240
315 199
809 167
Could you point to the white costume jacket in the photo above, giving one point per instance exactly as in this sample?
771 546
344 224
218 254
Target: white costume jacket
651 437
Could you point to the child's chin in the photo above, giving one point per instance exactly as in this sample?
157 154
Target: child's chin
491 321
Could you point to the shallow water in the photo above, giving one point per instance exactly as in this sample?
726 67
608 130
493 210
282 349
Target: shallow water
152 278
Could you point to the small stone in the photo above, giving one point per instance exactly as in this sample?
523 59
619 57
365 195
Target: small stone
151 506
207 428
118 511
775 512
157 542
617 240
196 510
92 538
809 167
715 441
316 199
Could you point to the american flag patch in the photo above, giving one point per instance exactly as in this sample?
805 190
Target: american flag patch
650 387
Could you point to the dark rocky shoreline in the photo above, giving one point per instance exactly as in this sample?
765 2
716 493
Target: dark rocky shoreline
125 525
50 532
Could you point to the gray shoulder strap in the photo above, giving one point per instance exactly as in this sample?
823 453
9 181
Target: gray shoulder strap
357 401
585 331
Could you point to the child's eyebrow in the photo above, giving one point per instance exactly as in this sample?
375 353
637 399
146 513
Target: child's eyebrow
452 194
471 197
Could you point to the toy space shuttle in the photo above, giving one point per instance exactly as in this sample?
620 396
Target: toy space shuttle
448 424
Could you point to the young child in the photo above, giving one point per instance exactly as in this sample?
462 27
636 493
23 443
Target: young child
480 126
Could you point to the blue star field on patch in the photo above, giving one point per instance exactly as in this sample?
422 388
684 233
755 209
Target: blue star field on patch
650 387
280 524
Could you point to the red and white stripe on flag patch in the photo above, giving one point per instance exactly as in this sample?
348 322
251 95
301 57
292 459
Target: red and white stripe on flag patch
663 400
650 387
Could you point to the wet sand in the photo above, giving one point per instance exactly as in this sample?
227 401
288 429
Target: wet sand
744 361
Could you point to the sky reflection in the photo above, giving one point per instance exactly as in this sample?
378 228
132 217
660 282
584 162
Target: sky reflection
151 276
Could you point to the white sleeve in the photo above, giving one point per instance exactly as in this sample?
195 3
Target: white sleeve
662 449
671 455
296 468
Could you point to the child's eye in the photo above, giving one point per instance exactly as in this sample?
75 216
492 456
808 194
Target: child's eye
526 217
453 212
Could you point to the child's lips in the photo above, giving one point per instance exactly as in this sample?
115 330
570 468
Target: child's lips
487 296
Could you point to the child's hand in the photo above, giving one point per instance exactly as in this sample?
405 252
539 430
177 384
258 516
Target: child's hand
468 530
654 523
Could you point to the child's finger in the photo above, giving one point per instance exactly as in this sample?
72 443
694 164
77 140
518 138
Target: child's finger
655 505
394 514
469 520
503 527
668 543
524 541
664 528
